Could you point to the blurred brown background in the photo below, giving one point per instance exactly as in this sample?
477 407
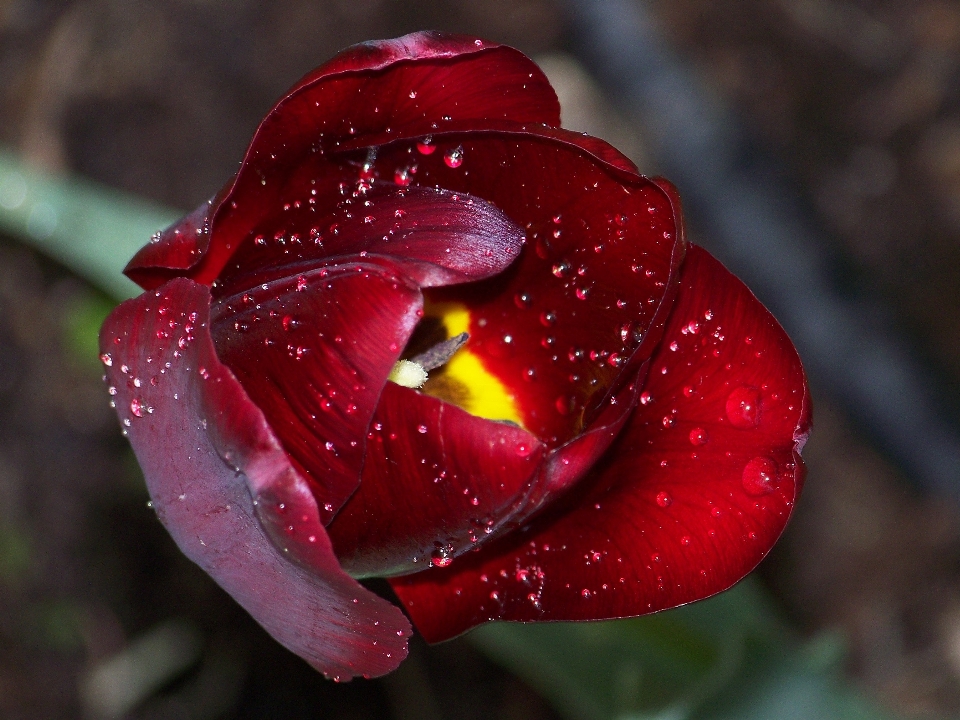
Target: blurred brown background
859 103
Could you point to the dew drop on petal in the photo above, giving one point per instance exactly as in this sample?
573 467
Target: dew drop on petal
136 407
442 556
760 476
698 436
422 429
106 359
664 499
426 146
454 158
743 407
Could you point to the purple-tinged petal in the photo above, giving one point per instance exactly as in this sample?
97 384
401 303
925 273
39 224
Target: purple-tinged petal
437 481
314 352
432 236
689 499
208 456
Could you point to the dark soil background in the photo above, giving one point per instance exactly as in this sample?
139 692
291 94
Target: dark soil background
858 101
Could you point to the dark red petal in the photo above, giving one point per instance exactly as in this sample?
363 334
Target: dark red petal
692 495
368 95
314 352
565 466
209 456
173 250
432 236
584 304
436 482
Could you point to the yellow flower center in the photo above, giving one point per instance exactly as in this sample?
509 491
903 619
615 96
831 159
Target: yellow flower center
463 380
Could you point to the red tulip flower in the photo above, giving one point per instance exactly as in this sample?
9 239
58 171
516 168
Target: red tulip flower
425 334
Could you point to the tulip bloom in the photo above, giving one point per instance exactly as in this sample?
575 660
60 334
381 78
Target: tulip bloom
426 334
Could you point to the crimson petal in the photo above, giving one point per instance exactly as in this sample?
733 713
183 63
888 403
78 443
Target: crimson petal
316 363
689 499
368 95
437 481
208 456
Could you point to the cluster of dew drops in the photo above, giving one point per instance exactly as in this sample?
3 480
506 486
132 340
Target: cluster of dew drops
166 329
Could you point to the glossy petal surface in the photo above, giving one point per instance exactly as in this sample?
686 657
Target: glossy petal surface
368 95
436 482
314 352
692 495
208 454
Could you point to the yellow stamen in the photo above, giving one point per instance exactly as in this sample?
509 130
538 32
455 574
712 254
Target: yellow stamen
408 374
477 390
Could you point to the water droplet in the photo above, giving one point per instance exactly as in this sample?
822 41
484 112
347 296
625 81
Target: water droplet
561 269
669 421
585 594
743 407
645 398
685 540
698 436
301 283
564 404
664 499
136 407
582 293
289 322
548 318
454 158
534 600
422 429
442 556
402 177
760 476
522 300
524 449
106 359
426 146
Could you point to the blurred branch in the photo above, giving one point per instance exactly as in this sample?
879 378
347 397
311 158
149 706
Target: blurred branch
760 230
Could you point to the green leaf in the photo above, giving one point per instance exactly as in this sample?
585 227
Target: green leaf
91 229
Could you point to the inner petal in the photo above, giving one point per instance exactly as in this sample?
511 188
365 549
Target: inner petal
554 336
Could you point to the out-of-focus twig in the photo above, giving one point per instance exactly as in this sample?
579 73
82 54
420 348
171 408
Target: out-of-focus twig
758 228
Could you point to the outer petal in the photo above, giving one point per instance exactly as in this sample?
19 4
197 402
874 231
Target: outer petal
436 482
314 352
208 456
368 95
688 500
